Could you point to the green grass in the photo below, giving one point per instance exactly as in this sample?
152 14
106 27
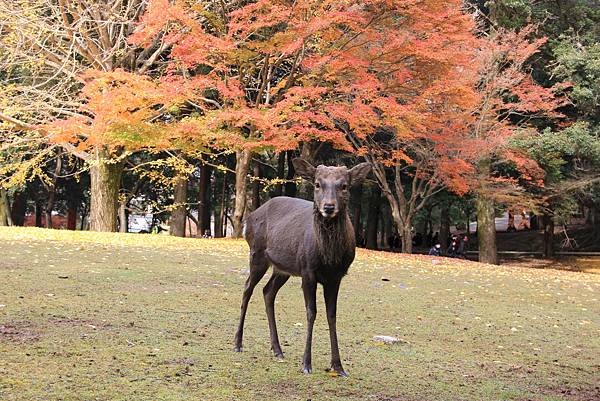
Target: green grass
89 316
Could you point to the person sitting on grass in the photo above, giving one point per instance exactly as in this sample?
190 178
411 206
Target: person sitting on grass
435 250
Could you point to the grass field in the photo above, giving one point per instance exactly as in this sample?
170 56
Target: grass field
87 316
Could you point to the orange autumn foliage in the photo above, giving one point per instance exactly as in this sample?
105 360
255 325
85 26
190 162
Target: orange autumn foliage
270 74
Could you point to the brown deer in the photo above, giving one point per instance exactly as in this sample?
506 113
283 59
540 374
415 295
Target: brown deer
313 240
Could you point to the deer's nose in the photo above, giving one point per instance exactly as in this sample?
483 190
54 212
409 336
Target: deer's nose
329 208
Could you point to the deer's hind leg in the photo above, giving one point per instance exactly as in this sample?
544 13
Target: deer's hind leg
258 267
276 281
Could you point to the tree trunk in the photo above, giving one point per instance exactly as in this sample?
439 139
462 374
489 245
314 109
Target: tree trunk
74 197
38 213
123 215
52 192
204 200
5 213
356 197
486 230
387 228
256 187
72 218
373 217
84 221
19 208
48 213
407 245
218 222
241 172
105 177
548 235
280 174
222 231
179 214
444 233
468 211
290 186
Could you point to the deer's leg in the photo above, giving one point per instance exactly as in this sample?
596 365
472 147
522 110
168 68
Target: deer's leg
258 268
309 287
330 292
270 292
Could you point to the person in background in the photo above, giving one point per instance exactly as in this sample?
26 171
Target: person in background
435 250
463 247
454 246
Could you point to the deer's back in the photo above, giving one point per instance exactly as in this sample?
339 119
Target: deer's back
282 228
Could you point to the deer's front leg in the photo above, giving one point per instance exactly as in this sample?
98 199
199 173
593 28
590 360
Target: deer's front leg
330 292
309 287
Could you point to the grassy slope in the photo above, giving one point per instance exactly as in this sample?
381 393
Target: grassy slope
142 317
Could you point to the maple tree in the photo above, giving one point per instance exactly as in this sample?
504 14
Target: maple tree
272 74
510 105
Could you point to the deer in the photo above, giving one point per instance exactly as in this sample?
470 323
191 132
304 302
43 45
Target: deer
312 240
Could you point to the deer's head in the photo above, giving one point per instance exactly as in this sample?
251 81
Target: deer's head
332 184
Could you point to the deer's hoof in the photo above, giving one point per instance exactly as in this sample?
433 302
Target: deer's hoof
237 348
338 372
279 355
307 370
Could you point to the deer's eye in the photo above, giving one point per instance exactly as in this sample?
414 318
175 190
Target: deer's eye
344 187
317 185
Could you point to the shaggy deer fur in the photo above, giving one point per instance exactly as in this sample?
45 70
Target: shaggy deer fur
313 240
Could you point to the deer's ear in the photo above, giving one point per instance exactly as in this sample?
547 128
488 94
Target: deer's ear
359 172
304 169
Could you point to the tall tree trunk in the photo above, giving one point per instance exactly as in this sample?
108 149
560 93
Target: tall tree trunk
373 217
387 228
548 235
47 211
178 215
486 230
280 173
241 172
407 245
74 197
105 177
218 222
123 215
444 233
71 218
290 186
52 192
84 217
19 208
255 204
5 213
38 213
222 231
468 211
356 202
225 211
204 200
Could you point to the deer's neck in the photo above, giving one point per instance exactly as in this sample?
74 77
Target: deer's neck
335 239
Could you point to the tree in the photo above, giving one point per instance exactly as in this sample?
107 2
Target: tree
273 73
511 103
48 50
570 55
408 119
570 158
